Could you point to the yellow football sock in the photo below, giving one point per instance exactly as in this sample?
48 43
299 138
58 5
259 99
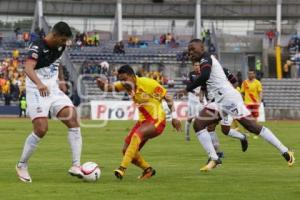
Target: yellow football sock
131 151
139 161
235 125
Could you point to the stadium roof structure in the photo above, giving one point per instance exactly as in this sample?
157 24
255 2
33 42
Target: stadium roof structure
184 9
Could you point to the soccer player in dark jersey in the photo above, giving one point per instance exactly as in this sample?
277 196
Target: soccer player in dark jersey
45 92
227 101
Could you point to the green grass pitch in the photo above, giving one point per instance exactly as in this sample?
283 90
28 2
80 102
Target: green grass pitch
259 173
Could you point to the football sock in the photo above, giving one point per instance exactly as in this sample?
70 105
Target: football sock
236 134
29 147
187 129
272 139
235 125
139 161
131 151
205 139
215 140
75 140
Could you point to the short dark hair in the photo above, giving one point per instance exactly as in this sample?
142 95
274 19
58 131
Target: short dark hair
62 29
126 69
196 40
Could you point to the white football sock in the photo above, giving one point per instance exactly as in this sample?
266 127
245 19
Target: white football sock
272 139
215 140
187 129
29 147
75 140
236 134
205 140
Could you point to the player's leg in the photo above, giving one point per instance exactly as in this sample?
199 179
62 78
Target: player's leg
252 126
139 161
215 140
226 122
40 127
136 139
68 116
206 118
38 113
187 128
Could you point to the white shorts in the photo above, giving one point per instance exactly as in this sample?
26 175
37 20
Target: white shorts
194 108
229 108
39 106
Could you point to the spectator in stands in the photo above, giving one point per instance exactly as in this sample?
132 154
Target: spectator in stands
119 48
168 38
287 69
6 93
252 93
296 60
270 35
26 38
162 39
171 83
2 83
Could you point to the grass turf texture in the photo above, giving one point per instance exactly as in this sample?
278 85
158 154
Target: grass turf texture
259 173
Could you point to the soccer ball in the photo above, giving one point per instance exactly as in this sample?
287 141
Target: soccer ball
91 171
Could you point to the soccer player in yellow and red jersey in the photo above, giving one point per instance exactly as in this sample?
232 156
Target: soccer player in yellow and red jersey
147 95
252 93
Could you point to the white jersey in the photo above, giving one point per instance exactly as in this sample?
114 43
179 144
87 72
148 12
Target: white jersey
48 76
217 84
47 63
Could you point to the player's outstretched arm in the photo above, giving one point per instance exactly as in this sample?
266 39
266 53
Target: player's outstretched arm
175 122
105 86
29 70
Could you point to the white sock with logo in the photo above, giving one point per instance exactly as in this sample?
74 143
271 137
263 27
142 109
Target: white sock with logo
215 140
205 140
236 134
30 145
75 140
272 139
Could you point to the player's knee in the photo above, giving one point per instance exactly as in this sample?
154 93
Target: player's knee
198 125
211 128
41 131
225 129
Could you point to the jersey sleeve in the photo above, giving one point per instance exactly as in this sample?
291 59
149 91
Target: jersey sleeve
118 86
34 51
231 78
259 87
205 66
159 91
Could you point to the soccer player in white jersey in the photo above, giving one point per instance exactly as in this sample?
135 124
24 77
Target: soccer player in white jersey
44 92
227 102
196 100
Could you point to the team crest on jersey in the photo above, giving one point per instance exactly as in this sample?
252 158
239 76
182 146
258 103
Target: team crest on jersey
34 55
59 48
39 110
202 61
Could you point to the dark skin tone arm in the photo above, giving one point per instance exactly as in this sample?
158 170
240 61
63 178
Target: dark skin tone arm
29 70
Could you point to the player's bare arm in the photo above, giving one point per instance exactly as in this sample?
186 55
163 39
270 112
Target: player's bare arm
105 86
62 83
29 70
175 122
